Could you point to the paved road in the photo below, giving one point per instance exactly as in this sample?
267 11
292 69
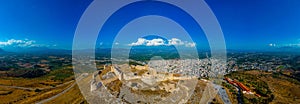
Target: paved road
59 94
223 94
32 89
239 96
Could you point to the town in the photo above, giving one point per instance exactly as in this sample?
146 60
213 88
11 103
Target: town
236 85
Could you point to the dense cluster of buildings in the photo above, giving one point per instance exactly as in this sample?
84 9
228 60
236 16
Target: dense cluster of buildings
260 61
192 67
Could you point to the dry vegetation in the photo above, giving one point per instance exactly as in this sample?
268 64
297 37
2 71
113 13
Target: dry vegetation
197 95
114 86
18 95
10 95
283 89
31 90
13 95
44 95
73 96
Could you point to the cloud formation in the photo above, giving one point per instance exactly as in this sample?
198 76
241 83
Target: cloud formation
190 44
19 43
160 42
175 41
284 45
272 45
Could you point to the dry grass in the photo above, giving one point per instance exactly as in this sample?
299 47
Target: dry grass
162 93
45 94
114 86
197 95
15 96
284 91
22 82
73 96
217 100
232 98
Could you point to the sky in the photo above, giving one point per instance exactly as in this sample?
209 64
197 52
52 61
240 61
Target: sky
246 24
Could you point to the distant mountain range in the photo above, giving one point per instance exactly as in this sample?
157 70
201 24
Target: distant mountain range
134 50
288 49
36 50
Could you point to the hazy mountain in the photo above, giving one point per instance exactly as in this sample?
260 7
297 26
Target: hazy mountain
38 50
138 51
289 49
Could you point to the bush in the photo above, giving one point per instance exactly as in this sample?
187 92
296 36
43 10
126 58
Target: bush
37 90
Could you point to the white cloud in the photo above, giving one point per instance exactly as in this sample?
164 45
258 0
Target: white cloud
159 42
117 43
284 45
190 44
292 45
19 43
155 42
175 41
272 45
141 41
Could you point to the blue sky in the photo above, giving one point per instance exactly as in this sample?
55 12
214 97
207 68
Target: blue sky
48 22
254 23
251 24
